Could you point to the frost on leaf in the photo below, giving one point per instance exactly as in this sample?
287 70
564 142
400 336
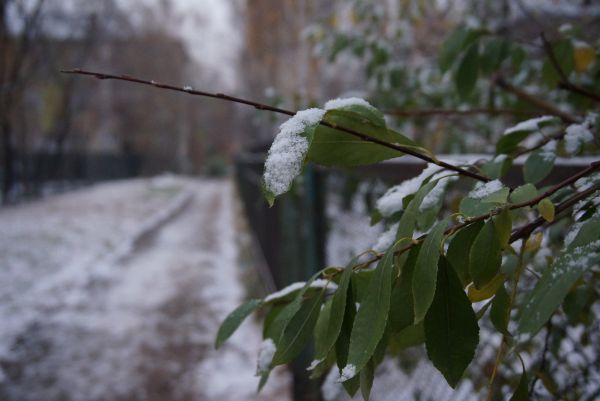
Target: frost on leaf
288 150
265 356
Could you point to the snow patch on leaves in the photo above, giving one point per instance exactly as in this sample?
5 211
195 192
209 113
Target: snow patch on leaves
482 190
288 150
391 201
529 125
578 135
348 373
318 283
341 103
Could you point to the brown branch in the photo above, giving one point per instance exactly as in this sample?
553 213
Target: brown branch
539 103
260 106
565 83
453 112
526 230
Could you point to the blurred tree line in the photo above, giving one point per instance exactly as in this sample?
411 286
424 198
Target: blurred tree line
60 130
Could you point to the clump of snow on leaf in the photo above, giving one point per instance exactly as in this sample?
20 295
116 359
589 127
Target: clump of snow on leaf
288 150
483 190
529 125
340 103
578 135
548 152
348 373
265 356
318 283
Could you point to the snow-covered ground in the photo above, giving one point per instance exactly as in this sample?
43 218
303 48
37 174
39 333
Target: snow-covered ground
115 293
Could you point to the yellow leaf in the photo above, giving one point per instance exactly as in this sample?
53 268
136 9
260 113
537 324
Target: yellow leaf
534 242
584 56
487 291
546 209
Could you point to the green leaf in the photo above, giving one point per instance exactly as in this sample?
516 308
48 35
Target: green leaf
371 318
589 231
546 209
338 306
366 379
332 147
537 166
321 340
298 331
494 52
234 319
474 207
500 312
460 248
425 274
467 72
401 309
498 167
554 285
410 336
408 221
523 193
521 392
451 330
451 48
503 224
511 139
487 291
456 42
485 256
498 196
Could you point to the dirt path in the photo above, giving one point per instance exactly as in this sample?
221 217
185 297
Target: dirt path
140 325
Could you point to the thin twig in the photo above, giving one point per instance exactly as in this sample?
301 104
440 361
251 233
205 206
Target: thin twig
529 98
368 138
454 112
564 82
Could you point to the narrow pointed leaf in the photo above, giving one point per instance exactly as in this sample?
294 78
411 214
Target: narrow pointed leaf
298 331
425 274
485 256
460 248
366 379
234 319
451 330
554 285
500 312
402 312
408 221
338 306
503 224
371 318
467 72
487 291
521 392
